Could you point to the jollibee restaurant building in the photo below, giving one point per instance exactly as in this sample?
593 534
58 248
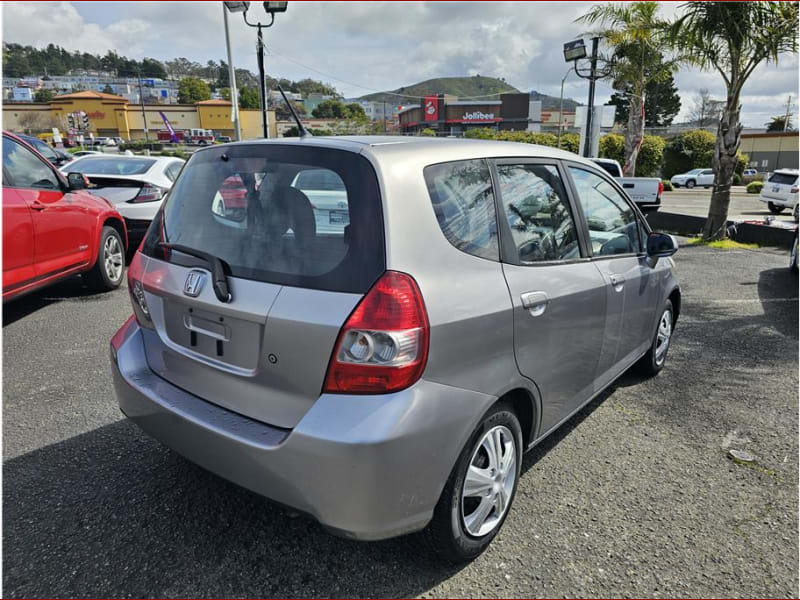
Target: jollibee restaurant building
447 115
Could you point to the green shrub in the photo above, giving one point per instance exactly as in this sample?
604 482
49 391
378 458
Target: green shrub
741 165
754 187
737 179
428 132
667 185
690 150
571 142
613 146
294 132
650 156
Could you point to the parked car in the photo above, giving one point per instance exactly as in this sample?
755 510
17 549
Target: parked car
80 153
704 177
388 375
54 155
135 185
780 190
224 139
750 172
644 191
104 141
53 227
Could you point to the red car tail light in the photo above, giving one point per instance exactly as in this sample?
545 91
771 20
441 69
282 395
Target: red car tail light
148 193
383 346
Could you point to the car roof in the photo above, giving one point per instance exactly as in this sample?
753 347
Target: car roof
433 150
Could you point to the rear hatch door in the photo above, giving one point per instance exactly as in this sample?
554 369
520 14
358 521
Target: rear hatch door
264 354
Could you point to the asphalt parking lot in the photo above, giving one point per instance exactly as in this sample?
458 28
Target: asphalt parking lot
743 206
634 496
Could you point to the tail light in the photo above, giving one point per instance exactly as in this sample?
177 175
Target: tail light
148 193
383 346
136 289
794 190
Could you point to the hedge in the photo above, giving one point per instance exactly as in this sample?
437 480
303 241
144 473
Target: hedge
754 187
694 150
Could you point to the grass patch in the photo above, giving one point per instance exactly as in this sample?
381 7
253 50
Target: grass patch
726 244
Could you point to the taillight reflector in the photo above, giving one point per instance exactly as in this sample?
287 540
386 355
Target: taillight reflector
383 345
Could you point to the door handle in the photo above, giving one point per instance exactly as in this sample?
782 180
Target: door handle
534 302
36 205
618 281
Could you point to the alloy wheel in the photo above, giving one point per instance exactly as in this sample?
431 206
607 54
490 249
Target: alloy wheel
664 334
112 258
489 482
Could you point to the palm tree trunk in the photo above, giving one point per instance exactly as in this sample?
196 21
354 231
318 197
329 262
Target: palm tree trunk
634 133
724 163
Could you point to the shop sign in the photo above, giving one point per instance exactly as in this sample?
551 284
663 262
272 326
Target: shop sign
478 116
431 108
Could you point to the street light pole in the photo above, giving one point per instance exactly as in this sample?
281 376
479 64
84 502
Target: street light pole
587 150
561 107
237 127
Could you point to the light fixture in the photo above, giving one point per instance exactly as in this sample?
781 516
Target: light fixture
574 50
275 7
236 7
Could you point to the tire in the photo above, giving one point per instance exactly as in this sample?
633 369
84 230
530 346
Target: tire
690 184
109 269
448 533
652 362
774 208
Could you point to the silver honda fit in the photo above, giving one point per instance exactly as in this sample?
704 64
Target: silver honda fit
373 329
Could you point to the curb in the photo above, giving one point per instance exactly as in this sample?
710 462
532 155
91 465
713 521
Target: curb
747 233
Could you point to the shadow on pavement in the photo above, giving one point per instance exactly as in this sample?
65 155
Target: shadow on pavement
71 288
112 512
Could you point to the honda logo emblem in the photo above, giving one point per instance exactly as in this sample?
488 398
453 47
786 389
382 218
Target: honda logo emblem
194 283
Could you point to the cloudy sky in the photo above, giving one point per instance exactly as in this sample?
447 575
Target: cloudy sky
371 46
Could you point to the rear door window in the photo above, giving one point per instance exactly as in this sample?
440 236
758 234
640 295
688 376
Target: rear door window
463 200
308 217
538 214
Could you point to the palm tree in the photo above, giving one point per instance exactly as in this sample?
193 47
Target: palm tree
732 38
641 56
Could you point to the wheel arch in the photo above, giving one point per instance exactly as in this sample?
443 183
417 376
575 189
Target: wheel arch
675 298
117 224
526 406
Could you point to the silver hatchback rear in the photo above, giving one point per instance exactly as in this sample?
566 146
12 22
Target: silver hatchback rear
337 323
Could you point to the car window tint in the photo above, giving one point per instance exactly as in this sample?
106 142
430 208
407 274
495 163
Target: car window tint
95 165
783 178
463 201
238 203
538 213
25 169
611 221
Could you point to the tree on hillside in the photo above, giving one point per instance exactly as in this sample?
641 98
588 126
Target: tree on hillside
705 111
108 89
641 55
282 112
780 123
43 95
249 97
191 90
732 38
662 102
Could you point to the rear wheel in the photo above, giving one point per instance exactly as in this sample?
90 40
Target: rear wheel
652 362
774 208
690 184
110 265
479 492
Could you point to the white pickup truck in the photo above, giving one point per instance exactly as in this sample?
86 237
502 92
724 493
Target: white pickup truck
644 191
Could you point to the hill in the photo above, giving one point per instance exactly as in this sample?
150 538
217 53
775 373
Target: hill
464 87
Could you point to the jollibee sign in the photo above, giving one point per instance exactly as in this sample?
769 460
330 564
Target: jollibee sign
431 108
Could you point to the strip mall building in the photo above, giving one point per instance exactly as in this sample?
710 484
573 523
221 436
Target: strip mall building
115 116
447 115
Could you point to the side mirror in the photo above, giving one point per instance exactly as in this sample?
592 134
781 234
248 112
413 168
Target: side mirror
660 245
77 181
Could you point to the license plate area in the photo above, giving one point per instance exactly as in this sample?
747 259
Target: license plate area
338 217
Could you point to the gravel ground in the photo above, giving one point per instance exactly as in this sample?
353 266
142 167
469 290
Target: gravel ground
634 496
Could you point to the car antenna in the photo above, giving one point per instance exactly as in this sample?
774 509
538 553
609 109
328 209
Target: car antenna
302 130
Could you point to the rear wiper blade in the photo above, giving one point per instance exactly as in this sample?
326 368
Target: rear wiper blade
218 278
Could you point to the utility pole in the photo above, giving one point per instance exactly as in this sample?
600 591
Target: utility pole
561 108
587 150
141 101
237 128
788 113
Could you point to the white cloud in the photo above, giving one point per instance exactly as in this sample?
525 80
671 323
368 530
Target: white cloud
375 45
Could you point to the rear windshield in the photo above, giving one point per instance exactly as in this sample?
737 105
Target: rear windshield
610 168
783 178
112 166
300 216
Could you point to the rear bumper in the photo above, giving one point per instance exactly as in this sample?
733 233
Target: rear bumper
366 467
778 200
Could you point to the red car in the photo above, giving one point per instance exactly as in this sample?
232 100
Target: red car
53 227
